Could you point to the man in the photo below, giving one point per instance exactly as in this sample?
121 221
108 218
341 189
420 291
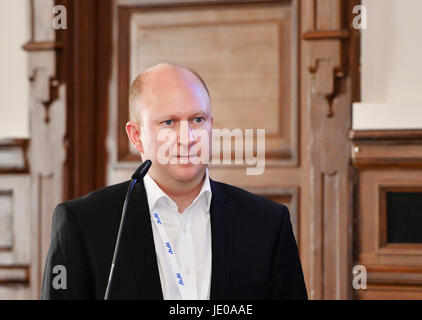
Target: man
185 236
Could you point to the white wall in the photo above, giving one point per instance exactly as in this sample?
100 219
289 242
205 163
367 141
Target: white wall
14 85
391 60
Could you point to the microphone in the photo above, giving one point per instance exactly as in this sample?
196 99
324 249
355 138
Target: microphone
136 177
142 170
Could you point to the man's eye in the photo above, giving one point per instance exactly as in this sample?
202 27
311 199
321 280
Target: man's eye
198 119
168 122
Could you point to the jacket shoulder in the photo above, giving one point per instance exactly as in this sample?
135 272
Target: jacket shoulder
249 201
102 197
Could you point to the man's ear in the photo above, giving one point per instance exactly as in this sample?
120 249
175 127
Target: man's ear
133 131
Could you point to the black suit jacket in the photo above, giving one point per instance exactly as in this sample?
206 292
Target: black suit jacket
254 253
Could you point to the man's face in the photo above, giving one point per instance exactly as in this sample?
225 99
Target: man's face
175 111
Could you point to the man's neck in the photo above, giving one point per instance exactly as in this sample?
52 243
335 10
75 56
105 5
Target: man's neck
183 193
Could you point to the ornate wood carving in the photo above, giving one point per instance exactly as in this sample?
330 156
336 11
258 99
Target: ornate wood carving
327 72
327 87
51 88
325 34
47 146
42 48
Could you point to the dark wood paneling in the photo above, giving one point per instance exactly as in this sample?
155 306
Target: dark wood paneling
387 155
386 135
386 161
84 65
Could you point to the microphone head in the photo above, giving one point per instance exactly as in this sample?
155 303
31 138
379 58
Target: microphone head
142 170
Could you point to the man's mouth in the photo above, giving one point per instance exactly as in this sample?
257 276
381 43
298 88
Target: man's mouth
188 156
185 159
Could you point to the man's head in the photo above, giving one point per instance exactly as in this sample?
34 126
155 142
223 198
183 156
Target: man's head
164 99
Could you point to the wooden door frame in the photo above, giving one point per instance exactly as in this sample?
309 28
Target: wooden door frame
84 66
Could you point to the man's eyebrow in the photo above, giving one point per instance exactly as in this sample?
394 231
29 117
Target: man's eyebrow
199 114
177 117
167 117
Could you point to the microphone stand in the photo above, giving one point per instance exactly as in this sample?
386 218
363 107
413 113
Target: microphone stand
136 177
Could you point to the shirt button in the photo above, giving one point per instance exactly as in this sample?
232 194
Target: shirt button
188 271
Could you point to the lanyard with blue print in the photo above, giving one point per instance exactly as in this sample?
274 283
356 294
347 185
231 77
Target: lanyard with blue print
165 241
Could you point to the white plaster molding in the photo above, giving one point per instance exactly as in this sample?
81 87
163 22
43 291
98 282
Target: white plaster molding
386 116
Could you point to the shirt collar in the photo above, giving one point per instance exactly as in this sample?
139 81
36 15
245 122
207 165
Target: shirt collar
155 193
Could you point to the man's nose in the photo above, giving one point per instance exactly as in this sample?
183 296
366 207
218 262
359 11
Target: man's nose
185 135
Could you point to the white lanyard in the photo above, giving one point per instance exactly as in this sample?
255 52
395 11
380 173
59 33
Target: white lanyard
165 241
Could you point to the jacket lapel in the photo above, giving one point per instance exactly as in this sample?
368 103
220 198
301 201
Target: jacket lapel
222 230
141 245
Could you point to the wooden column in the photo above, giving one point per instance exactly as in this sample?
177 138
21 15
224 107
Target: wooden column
327 93
47 130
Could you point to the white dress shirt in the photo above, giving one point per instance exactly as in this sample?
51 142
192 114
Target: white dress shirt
190 235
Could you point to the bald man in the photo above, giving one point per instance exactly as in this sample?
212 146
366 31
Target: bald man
186 236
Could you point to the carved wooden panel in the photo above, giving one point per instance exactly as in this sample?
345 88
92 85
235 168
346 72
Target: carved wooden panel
14 275
46 154
15 236
6 220
367 154
329 74
14 282
373 248
387 162
14 156
246 55
391 292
